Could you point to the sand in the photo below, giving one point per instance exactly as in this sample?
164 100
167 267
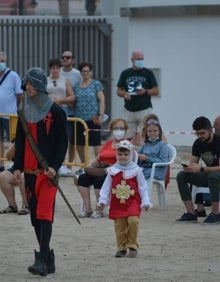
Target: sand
168 251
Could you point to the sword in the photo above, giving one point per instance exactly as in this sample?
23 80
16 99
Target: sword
55 182
43 162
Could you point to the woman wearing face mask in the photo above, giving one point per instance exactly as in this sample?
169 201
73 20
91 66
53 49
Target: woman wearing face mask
118 128
154 150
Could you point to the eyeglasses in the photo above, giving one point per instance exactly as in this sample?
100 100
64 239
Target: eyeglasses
66 57
85 71
152 121
54 83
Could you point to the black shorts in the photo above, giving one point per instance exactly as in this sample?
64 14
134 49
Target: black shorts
94 136
86 180
4 128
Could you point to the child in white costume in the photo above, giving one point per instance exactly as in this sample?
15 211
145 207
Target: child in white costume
126 190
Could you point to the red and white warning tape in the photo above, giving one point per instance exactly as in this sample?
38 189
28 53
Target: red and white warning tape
165 132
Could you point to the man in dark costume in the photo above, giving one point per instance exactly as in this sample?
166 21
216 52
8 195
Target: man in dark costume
47 123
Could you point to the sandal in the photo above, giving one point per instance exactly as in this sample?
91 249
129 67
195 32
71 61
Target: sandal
97 214
24 210
9 209
86 214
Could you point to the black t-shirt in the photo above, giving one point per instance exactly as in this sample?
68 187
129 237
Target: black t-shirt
131 80
208 152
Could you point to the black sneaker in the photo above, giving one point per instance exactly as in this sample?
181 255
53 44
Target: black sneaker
212 219
200 213
187 217
121 254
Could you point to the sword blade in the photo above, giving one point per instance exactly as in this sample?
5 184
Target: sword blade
67 202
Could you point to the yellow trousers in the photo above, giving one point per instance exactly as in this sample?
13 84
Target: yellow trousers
126 232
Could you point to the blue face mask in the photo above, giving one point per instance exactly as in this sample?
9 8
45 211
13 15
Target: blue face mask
139 64
153 139
2 66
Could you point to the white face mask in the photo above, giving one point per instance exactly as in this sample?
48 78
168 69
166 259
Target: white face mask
118 134
2 66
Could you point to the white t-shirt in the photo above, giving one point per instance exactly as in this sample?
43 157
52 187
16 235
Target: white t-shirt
74 76
9 89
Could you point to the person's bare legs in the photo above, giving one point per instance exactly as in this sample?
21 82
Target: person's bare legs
215 207
71 154
97 194
189 206
23 192
7 183
81 152
96 150
85 194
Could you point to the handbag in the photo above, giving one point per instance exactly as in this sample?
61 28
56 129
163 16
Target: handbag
98 170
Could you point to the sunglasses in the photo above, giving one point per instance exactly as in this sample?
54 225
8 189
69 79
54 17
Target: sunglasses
54 83
152 121
66 57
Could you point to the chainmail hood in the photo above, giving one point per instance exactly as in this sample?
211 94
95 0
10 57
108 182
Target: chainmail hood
38 106
38 78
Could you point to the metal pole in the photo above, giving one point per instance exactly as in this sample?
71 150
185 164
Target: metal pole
21 7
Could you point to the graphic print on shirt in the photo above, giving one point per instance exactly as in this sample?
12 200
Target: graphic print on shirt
208 158
123 191
134 83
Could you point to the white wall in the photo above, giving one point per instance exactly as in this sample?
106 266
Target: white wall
135 3
187 50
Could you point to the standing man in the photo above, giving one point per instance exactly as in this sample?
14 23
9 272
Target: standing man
206 147
10 97
46 122
136 85
74 76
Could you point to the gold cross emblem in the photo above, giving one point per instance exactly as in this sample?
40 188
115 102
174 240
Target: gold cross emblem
123 191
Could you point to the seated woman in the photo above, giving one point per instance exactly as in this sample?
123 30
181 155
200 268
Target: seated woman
118 128
154 150
139 141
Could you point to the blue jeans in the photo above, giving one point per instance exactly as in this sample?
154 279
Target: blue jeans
211 180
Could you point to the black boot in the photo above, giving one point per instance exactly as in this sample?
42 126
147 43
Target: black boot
51 262
40 265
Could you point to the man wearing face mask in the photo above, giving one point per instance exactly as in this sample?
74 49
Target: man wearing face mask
136 85
10 97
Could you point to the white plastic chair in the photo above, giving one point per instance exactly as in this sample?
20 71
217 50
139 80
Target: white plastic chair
196 190
160 184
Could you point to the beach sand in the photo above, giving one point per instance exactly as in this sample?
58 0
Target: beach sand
168 251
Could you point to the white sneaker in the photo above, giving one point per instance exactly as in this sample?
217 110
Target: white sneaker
65 172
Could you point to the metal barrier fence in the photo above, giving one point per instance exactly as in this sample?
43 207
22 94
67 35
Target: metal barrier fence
32 41
12 132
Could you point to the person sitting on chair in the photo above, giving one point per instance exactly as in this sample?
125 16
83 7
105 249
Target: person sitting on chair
7 185
154 150
118 128
206 147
